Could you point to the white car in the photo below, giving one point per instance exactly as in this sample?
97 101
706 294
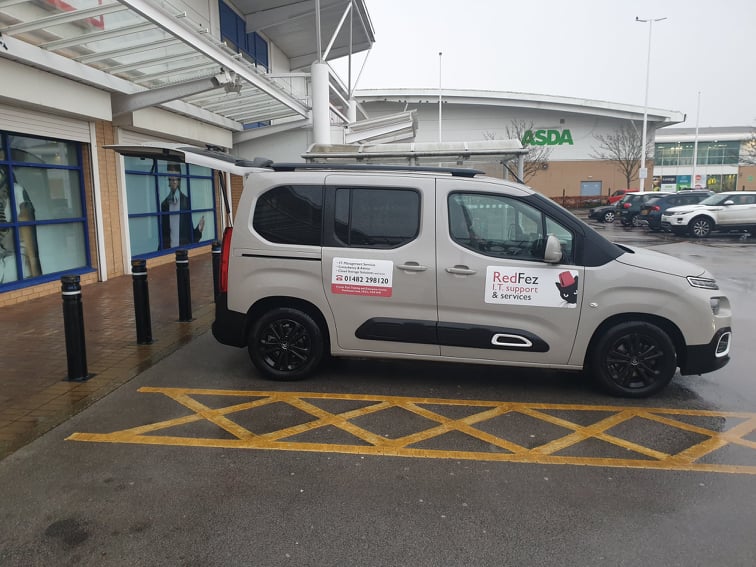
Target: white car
733 210
446 264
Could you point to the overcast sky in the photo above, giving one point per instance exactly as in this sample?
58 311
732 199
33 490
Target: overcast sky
590 49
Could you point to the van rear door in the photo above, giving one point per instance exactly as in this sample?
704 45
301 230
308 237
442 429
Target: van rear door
184 153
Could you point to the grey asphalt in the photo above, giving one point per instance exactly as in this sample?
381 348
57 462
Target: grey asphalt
74 503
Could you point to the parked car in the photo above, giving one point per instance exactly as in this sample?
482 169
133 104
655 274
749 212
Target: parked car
629 207
445 264
733 210
651 212
618 194
604 213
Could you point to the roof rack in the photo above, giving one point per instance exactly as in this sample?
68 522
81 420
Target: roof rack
454 171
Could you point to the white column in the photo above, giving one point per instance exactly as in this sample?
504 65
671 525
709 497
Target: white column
102 261
352 110
321 120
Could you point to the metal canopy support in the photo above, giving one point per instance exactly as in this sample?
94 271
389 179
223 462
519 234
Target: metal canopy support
63 18
93 57
95 36
123 104
215 53
128 46
336 32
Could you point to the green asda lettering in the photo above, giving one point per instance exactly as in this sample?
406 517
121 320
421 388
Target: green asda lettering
547 138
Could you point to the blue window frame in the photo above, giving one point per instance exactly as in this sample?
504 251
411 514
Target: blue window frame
170 206
43 217
233 30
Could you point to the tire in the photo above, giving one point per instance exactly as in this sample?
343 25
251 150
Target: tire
608 217
285 344
633 360
636 221
700 227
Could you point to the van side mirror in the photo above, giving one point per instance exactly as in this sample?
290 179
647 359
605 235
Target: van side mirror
553 252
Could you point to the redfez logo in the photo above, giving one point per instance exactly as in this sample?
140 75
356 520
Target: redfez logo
539 287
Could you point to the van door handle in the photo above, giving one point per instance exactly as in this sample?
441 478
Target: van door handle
462 270
412 267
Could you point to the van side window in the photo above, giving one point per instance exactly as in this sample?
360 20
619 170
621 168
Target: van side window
376 218
501 227
290 215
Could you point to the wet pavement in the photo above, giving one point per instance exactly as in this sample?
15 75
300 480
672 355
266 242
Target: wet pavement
35 393
197 460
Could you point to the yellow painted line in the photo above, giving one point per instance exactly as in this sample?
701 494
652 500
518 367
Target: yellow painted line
437 425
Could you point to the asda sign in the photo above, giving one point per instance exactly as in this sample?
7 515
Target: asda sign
547 138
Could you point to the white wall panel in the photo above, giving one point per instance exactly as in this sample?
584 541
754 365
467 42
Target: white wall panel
27 86
27 121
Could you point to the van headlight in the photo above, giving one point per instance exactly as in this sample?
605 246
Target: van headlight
703 283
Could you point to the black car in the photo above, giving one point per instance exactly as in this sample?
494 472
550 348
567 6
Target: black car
604 213
651 212
629 207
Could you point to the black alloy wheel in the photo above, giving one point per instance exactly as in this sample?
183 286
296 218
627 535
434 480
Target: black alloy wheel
286 344
634 360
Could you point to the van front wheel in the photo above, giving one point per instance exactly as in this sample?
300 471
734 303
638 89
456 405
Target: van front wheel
634 360
285 344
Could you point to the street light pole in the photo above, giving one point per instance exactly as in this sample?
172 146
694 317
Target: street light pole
440 53
643 172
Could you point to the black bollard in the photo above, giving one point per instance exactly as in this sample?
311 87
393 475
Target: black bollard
73 323
216 267
141 302
184 289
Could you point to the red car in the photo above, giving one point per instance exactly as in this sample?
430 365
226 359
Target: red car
618 194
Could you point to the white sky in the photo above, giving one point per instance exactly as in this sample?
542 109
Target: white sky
591 49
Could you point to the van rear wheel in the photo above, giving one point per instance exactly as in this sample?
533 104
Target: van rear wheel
285 344
634 360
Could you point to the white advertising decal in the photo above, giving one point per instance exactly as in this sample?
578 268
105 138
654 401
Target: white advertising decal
354 276
525 286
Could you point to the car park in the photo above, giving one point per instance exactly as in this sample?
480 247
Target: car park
728 211
604 213
446 264
629 207
651 212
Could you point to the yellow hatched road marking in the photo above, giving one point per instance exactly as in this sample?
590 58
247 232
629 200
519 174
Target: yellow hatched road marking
481 412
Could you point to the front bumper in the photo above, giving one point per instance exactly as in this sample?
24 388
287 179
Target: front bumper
700 359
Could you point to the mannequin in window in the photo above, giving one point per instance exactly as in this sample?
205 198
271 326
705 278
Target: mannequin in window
178 229
27 234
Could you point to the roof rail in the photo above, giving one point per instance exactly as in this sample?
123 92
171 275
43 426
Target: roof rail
454 171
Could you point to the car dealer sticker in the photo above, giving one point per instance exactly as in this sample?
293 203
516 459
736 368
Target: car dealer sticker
526 286
355 276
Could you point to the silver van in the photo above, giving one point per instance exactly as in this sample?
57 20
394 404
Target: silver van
447 264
